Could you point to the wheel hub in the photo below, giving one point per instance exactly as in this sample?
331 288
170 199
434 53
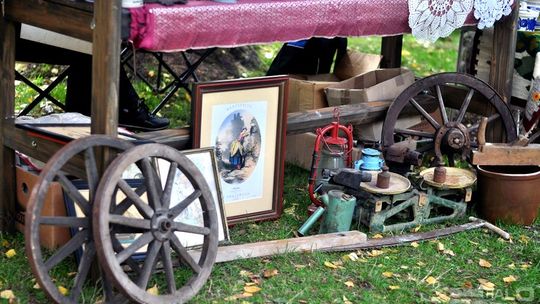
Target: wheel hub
161 226
453 137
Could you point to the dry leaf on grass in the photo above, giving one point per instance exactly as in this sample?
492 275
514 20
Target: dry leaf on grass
346 301
268 273
393 287
509 279
36 286
486 285
63 290
10 253
440 246
484 263
349 284
7 294
252 289
443 297
352 256
467 285
330 265
416 229
431 280
415 244
388 274
377 236
374 253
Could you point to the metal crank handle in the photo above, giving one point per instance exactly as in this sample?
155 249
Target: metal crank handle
505 235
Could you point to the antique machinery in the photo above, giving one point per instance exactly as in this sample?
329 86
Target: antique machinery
450 129
392 205
331 151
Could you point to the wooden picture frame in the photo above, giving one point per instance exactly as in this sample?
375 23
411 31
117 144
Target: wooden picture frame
245 121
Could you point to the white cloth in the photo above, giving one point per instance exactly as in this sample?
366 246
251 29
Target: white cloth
433 19
489 11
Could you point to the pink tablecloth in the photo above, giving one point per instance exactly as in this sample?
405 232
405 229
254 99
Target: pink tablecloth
202 23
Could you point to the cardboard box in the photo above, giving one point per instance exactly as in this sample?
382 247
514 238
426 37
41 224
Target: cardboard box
306 92
51 236
378 85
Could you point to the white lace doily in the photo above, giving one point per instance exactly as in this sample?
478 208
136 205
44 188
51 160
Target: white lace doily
489 11
432 19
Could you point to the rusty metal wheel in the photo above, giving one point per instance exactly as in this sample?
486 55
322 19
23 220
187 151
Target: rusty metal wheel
77 158
451 129
153 223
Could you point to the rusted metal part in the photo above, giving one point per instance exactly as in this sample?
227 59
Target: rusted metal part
383 178
404 152
44 265
447 137
155 224
439 175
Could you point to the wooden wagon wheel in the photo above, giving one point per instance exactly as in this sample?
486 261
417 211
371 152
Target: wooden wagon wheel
453 135
173 184
45 263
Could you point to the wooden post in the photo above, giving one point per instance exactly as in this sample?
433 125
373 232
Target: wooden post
503 52
7 107
391 51
106 66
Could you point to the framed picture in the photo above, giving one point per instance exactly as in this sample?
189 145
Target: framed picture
245 121
205 161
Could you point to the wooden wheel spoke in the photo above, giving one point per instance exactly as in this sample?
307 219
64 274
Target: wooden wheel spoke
424 113
442 107
141 241
82 272
181 227
465 105
91 169
129 221
68 248
117 246
127 202
168 266
145 209
149 264
65 221
414 133
74 194
184 255
152 183
176 210
166 196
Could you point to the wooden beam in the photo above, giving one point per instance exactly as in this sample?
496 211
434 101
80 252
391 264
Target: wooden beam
321 242
494 154
58 16
7 107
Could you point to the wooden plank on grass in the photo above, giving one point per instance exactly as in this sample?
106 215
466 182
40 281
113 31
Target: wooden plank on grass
268 248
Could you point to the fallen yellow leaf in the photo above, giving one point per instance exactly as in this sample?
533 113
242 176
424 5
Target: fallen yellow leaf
525 266
415 244
252 289
524 239
11 253
484 263
346 301
509 279
353 256
393 287
153 290
374 253
431 280
512 266
449 252
36 286
467 285
378 236
251 284
415 229
245 273
7 294
63 290
486 285
349 284
421 264
443 297
330 265
404 267
388 274
268 273
440 246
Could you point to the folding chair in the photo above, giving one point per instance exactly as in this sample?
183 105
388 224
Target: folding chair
180 80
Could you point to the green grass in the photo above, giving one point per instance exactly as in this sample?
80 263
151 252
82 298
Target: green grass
303 277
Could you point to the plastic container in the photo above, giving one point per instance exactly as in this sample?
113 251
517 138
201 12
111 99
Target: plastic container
509 193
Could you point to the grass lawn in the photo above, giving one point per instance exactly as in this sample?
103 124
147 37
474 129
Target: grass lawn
446 270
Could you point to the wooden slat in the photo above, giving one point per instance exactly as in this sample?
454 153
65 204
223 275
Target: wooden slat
391 51
505 155
7 106
69 20
319 242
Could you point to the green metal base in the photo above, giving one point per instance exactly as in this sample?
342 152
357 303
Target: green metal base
382 213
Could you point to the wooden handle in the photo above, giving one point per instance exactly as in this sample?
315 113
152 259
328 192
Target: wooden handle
505 235
482 132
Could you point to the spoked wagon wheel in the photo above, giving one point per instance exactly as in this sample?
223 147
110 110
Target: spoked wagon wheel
155 226
452 128
49 266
